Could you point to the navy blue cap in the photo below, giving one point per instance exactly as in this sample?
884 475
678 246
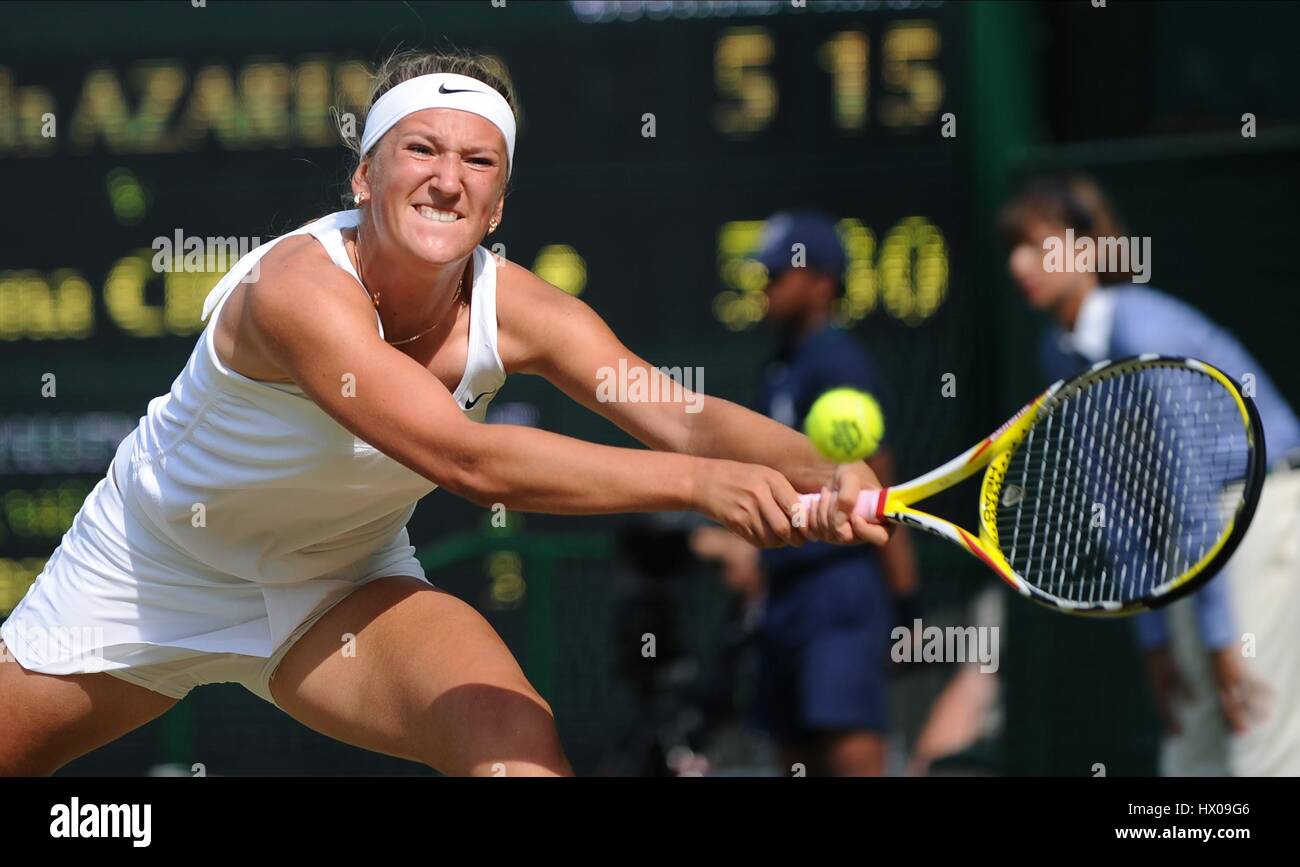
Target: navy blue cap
823 249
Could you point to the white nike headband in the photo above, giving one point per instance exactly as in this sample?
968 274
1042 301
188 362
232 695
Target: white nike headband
440 90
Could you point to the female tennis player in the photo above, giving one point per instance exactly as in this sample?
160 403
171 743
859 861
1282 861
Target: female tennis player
252 528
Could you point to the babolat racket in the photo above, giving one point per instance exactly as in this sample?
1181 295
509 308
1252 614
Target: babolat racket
1114 492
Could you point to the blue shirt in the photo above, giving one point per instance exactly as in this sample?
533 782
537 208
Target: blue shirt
1144 320
1122 321
799 374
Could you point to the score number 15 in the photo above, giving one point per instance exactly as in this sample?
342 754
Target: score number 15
912 85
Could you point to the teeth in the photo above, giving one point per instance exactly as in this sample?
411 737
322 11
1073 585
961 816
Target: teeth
437 216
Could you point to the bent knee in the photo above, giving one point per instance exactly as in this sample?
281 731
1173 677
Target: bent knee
497 732
25 760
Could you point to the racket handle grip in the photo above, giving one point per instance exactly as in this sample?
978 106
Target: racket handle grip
868 503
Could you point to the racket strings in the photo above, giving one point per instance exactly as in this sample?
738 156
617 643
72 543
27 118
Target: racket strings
1145 508
1124 483
1154 506
1146 486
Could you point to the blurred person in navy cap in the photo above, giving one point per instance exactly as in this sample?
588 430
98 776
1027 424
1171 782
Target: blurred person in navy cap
823 635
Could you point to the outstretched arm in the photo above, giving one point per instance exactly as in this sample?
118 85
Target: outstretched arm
562 339
400 408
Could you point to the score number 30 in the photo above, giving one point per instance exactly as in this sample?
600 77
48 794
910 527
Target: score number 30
905 275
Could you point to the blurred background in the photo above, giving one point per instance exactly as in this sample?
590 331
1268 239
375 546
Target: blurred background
909 121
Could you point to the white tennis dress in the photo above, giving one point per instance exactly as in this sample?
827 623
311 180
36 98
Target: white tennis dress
232 517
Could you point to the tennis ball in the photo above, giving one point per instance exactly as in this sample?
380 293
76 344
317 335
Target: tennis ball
845 425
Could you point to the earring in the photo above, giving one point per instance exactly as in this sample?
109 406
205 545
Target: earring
359 198
492 227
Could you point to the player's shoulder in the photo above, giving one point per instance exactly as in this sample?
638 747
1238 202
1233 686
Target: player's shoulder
298 258
525 300
297 281
518 286
535 318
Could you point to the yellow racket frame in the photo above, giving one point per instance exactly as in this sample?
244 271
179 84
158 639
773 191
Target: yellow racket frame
994 454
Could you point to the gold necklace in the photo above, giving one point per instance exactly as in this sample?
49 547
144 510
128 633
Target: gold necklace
374 297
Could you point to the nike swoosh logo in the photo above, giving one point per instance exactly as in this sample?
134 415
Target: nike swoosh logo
469 404
442 88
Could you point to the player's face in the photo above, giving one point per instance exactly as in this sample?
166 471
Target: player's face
437 183
1042 280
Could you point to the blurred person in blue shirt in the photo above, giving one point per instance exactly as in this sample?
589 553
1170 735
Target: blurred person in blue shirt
827 611
1200 684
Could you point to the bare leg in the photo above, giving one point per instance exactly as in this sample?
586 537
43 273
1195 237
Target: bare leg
51 719
430 681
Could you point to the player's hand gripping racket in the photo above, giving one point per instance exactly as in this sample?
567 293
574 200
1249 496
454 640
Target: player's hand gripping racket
1114 492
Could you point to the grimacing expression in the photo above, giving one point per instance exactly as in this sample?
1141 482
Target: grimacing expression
434 182
1043 289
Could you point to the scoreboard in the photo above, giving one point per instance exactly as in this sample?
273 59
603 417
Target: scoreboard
654 139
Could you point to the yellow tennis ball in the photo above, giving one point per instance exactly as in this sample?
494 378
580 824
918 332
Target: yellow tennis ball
845 425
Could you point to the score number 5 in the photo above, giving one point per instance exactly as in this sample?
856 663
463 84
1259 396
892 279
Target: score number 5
913 86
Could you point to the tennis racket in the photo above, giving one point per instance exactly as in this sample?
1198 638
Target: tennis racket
1114 492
